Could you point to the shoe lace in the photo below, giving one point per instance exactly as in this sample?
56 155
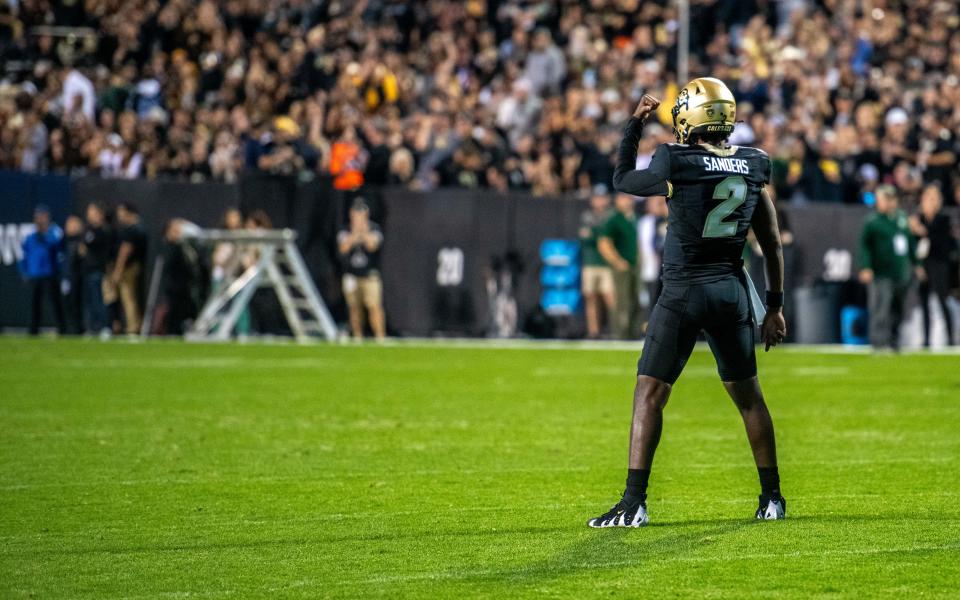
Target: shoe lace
620 507
617 508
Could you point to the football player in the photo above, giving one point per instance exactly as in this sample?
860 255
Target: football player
715 194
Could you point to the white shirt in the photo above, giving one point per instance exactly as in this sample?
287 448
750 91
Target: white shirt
76 83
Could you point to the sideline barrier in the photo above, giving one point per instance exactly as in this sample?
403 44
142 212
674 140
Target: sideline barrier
441 249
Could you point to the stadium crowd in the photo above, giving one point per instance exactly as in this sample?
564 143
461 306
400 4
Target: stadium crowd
505 94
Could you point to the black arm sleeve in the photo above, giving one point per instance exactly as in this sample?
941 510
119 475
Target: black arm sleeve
651 181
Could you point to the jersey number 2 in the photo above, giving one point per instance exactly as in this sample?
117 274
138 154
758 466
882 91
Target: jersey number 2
733 192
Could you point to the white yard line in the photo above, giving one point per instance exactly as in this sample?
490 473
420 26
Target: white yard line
502 344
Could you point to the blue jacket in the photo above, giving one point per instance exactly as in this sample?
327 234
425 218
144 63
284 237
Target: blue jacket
41 253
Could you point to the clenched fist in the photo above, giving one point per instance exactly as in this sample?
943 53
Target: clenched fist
647 105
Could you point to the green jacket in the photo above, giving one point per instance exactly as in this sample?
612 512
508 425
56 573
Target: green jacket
591 227
622 231
888 247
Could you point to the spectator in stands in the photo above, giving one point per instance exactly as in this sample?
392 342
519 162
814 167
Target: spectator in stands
359 246
517 113
825 169
128 269
937 249
79 95
95 254
823 88
936 147
401 167
545 65
894 148
887 259
117 159
34 142
40 267
225 161
617 244
377 169
347 161
283 154
596 277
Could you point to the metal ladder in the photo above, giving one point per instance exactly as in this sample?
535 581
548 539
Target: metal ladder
279 266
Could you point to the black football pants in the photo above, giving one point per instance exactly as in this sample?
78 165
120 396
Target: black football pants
721 309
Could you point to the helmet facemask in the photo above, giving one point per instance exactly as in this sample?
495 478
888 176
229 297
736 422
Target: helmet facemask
682 104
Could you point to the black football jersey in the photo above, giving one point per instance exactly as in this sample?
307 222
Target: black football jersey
711 194
714 194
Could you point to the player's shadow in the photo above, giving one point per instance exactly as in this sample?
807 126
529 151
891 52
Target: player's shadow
626 548
633 548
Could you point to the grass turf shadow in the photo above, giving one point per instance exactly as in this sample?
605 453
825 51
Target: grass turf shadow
607 548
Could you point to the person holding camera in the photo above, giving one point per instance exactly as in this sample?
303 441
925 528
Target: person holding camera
359 247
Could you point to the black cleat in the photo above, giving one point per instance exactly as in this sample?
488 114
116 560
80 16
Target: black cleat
772 508
623 514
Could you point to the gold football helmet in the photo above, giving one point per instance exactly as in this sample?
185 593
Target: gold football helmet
705 105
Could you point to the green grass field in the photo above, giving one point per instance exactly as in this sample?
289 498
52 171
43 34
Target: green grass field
166 470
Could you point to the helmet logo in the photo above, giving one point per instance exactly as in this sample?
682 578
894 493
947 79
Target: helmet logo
683 103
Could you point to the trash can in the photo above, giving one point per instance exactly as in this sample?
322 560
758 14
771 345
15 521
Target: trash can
817 311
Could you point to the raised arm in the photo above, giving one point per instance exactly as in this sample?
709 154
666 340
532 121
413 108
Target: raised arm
651 181
774 327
